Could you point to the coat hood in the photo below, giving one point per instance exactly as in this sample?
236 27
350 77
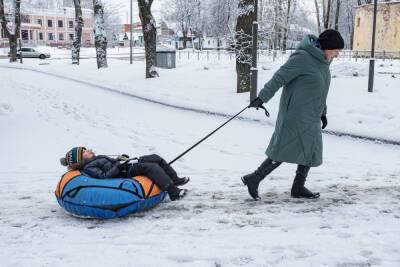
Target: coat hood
309 44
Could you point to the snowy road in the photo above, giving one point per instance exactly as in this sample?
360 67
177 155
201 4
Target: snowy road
355 223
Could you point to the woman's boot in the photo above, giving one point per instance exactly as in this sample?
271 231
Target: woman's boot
298 189
253 180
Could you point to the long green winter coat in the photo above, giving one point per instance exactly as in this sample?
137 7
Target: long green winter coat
305 78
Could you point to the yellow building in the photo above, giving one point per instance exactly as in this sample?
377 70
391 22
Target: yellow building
387 29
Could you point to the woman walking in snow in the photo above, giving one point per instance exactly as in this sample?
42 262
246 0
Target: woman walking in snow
152 166
305 78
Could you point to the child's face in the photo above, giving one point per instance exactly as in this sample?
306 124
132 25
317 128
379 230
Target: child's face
87 154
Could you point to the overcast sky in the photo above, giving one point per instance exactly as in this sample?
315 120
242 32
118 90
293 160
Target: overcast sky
125 5
156 8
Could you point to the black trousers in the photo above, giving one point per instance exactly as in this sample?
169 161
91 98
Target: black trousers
156 168
269 165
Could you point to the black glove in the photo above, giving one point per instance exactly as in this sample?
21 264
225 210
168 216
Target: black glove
324 121
256 103
123 157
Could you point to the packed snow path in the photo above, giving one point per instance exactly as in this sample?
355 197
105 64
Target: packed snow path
354 223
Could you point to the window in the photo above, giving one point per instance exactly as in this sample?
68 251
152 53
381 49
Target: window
70 24
25 19
41 36
24 35
71 36
61 37
39 21
51 36
49 23
358 22
60 24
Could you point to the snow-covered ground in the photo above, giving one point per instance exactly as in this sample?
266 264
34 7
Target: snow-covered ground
211 85
354 223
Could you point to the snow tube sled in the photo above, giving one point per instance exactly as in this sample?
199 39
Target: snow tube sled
85 196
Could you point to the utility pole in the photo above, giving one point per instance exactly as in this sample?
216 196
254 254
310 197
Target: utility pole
130 37
372 59
254 71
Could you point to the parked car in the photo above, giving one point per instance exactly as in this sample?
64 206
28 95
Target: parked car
31 52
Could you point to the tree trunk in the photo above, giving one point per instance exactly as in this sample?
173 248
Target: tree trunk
150 35
13 42
318 16
76 45
12 36
185 34
286 28
276 27
100 36
280 27
327 12
243 47
337 14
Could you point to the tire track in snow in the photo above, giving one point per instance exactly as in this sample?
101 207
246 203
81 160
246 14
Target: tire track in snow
201 111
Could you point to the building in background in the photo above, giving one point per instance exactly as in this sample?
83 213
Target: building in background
387 28
52 27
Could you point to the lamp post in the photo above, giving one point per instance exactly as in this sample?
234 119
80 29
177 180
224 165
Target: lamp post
254 71
372 59
130 38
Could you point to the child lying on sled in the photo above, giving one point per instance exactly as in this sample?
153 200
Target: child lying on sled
152 166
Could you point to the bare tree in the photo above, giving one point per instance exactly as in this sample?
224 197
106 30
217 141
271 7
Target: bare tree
243 45
186 14
326 12
318 15
112 18
286 26
76 45
149 33
337 14
100 37
277 24
12 32
221 19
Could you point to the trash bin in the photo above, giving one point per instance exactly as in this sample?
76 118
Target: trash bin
166 57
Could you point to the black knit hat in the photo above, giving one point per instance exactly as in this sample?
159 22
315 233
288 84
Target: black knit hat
331 39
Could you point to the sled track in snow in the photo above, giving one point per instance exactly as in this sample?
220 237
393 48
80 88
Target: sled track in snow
202 111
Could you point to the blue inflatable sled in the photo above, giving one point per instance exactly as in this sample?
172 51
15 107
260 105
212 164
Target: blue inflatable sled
84 196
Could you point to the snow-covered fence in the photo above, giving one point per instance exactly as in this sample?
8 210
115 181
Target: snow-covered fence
225 55
379 54
278 55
